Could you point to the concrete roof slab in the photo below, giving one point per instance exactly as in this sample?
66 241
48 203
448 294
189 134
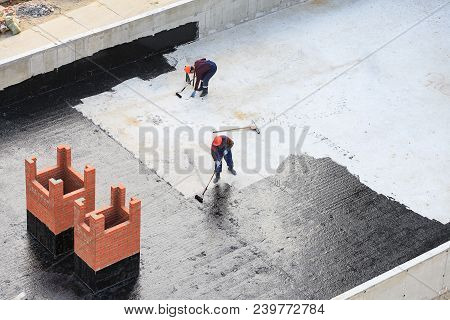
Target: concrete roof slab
94 15
62 28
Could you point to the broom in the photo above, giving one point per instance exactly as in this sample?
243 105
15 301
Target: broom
199 198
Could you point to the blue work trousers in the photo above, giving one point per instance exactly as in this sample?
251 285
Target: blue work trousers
228 159
208 75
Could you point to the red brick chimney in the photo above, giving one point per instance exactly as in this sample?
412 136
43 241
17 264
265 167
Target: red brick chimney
107 241
50 194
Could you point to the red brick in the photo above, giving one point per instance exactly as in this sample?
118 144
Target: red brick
108 235
50 193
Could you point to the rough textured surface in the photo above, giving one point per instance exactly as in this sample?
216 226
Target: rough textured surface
311 231
318 234
34 10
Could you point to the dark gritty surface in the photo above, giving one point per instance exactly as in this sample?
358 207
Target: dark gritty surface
311 231
312 234
322 227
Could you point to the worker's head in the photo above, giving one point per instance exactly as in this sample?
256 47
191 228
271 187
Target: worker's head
217 141
189 69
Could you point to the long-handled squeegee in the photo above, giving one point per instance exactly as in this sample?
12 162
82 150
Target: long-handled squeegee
250 127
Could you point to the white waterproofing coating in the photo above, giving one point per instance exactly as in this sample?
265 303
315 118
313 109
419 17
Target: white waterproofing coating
368 81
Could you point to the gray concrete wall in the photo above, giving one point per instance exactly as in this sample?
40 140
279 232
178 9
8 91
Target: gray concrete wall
212 16
425 277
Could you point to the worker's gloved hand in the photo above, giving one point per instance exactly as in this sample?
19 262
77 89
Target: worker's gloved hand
218 163
225 152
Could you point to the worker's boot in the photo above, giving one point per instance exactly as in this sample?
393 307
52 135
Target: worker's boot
204 92
232 171
217 178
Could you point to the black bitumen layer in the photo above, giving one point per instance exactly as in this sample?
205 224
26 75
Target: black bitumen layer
57 244
311 231
314 233
322 227
117 274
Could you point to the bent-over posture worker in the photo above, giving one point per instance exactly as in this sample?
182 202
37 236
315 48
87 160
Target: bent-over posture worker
204 70
221 148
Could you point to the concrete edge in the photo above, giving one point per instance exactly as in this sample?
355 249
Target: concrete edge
394 272
212 16
95 31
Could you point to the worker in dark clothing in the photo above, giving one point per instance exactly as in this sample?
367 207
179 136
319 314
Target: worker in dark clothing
204 70
221 148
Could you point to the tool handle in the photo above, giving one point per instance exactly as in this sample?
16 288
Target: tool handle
234 129
184 88
209 182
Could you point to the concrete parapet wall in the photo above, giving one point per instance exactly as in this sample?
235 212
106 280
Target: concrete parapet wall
56 51
425 277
